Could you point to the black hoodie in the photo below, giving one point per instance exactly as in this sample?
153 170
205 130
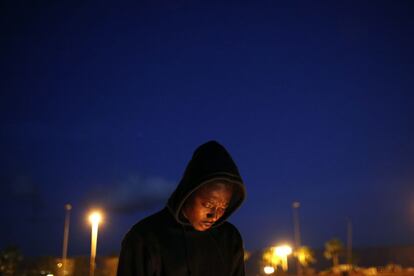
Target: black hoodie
165 244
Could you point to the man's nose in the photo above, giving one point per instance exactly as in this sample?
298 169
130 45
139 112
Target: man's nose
213 214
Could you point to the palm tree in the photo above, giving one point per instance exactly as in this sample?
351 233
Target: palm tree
333 248
10 258
305 256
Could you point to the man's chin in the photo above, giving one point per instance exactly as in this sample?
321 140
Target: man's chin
203 226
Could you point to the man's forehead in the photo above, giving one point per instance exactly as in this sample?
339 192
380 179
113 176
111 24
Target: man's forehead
215 194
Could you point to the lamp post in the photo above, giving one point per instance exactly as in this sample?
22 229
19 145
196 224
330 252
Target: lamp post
349 242
94 218
296 226
68 208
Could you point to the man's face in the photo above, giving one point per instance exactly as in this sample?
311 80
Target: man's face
207 205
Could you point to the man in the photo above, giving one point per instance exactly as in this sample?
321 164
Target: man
191 235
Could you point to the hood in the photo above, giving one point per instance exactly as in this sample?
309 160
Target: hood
210 162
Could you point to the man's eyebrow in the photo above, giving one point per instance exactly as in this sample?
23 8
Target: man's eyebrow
213 201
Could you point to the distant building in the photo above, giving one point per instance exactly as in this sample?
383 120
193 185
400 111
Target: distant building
106 266
364 257
77 266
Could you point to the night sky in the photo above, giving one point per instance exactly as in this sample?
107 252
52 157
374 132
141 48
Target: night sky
102 105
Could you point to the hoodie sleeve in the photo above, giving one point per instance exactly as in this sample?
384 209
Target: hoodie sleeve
135 257
238 261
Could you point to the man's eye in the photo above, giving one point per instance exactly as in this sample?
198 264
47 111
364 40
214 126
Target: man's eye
208 205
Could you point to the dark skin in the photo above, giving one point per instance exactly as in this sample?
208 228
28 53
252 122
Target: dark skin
207 205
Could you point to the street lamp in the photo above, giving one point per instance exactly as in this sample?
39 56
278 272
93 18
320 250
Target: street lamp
68 208
296 223
296 226
94 218
283 251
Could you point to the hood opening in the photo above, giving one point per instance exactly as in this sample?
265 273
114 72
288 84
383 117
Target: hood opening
210 163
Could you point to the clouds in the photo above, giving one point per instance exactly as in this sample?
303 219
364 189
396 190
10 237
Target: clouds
19 188
133 193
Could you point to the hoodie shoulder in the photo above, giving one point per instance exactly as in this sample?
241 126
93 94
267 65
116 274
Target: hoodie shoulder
147 227
140 247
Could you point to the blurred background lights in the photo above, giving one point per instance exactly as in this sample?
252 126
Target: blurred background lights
268 269
283 250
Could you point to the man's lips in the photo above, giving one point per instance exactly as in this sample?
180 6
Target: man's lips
207 223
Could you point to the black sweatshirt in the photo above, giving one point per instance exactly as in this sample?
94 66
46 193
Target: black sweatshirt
165 244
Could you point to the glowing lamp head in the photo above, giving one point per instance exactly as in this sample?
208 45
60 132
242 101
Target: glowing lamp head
283 250
95 218
269 269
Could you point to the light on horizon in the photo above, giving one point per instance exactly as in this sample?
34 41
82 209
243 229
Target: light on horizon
283 251
269 269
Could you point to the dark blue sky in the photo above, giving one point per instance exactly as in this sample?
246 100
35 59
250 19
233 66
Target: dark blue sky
103 104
